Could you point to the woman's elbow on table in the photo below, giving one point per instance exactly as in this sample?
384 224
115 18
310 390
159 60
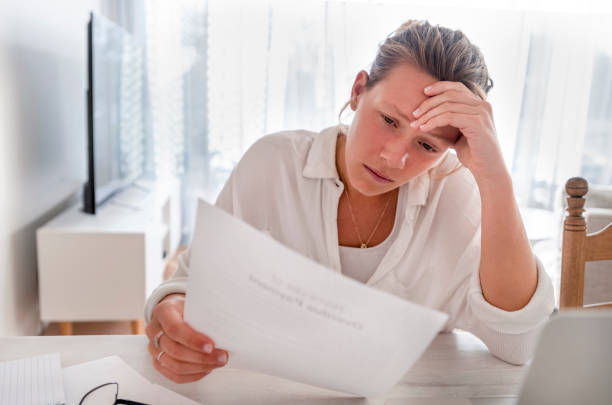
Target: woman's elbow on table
516 349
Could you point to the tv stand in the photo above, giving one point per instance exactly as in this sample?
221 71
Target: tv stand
103 267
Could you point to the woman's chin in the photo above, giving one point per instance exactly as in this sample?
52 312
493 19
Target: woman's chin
371 189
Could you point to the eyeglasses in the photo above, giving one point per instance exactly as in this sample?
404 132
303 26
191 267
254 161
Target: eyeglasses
106 394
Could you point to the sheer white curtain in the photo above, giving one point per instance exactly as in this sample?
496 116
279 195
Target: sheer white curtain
224 73
565 122
597 150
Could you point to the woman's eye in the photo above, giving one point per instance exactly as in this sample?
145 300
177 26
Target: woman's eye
427 147
388 120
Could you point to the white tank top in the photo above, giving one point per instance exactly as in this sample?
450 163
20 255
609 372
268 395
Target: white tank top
360 264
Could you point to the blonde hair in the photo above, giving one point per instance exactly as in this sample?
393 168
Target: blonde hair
443 53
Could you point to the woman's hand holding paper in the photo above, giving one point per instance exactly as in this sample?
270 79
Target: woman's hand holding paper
179 352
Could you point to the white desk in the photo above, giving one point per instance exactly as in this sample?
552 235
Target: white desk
456 365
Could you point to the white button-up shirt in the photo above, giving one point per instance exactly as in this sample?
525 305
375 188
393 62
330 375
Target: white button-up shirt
287 185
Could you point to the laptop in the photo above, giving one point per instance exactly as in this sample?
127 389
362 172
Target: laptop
572 362
572 366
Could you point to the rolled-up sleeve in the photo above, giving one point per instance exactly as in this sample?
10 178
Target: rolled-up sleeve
538 308
509 335
177 283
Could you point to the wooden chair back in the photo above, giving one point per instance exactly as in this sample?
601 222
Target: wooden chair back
578 248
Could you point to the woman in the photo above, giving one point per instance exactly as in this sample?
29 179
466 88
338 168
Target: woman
384 201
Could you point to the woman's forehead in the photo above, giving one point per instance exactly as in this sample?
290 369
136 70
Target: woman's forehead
397 102
402 90
408 77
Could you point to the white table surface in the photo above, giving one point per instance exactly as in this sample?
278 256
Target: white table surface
455 365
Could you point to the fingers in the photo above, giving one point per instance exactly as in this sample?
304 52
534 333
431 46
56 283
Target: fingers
176 370
183 353
189 337
152 328
180 379
457 120
450 96
443 86
443 108
176 366
454 108
169 314
187 354
217 358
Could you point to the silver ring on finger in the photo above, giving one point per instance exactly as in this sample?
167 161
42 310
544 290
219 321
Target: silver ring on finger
156 339
159 355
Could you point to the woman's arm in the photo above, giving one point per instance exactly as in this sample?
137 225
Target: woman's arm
509 335
176 284
508 275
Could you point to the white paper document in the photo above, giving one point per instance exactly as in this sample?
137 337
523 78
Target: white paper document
32 381
124 381
280 313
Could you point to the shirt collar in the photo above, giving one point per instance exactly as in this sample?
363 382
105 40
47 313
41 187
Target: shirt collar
321 164
418 189
321 159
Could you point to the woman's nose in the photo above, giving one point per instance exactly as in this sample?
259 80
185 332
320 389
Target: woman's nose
395 155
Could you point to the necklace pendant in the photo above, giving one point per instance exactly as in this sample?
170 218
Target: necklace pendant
364 245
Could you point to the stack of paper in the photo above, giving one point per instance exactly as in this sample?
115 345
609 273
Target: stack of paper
280 313
32 381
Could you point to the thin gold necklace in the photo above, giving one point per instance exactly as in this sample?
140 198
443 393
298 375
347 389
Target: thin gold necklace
363 244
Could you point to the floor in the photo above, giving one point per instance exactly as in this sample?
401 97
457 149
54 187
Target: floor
109 328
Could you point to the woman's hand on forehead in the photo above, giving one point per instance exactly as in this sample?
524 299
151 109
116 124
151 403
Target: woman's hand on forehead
453 104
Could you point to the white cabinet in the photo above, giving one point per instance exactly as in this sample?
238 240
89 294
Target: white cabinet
103 266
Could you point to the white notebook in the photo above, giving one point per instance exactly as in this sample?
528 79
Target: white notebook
32 381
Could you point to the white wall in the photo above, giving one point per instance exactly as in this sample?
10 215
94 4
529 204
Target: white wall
42 139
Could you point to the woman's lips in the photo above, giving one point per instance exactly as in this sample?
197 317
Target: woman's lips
376 176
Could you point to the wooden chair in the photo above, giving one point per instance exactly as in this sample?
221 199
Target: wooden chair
578 248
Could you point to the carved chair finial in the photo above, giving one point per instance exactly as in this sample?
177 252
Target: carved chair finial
576 188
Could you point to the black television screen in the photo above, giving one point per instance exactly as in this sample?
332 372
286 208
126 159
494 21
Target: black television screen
115 111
